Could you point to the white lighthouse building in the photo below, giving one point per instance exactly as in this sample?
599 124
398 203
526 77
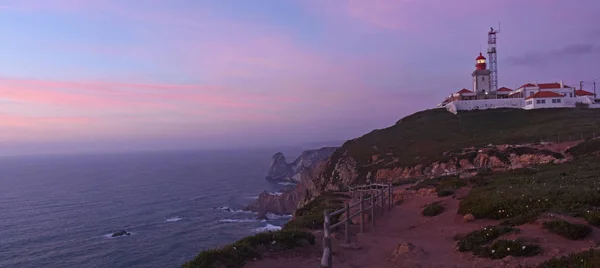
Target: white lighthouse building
528 96
481 78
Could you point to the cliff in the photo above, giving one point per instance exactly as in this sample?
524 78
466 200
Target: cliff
287 202
436 142
282 171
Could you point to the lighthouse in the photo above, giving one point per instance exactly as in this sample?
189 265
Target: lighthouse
481 79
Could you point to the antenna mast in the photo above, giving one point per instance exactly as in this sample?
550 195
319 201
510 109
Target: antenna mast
493 57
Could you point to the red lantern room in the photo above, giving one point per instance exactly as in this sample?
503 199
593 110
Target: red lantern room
480 62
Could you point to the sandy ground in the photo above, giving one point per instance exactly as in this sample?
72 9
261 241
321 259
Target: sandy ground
433 239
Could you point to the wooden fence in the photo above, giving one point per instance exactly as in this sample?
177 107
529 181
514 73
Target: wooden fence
378 195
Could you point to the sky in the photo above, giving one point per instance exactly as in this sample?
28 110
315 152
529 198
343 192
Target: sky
94 75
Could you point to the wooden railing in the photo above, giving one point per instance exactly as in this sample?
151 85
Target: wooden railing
379 194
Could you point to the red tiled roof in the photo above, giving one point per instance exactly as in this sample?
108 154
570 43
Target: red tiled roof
504 89
527 85
481 57
581 92
464 90
544 94
549 85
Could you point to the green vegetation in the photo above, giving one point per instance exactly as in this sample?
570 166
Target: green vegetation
235 255
310 216
502 248
448 185
588 147
433 209
585 259
423 137
479 238
568 230
519 196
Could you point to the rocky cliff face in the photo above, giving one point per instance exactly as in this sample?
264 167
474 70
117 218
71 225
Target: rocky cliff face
287 202
282 171
468 160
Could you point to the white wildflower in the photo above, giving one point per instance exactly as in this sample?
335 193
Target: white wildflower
508 249
523 247
493 251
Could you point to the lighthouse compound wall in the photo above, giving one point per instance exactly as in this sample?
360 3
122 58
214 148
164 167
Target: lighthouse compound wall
517 103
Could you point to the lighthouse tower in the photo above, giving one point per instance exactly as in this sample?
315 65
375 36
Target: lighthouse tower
481 79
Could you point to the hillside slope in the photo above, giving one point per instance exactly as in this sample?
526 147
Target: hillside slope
424 137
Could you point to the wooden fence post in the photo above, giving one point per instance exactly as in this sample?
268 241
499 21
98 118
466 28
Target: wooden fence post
347 224
362 214
372 210
327 240
382 200
390 197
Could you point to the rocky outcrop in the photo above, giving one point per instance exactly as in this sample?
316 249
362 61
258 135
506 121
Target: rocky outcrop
465 162
279 169
287 202
282 171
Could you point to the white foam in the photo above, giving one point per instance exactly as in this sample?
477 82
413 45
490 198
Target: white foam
252 197
228 209
241 220
272 216
276 193
286 183
267 228
173 219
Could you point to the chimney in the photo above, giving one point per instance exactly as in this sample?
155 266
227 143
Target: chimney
561 84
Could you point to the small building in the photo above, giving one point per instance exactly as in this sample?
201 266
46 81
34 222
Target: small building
545 99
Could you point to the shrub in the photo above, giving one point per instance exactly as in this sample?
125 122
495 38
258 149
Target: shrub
433 209
235 255
592 217
521 219
449 184
310 216
502 248
569 230
445 192
585 259
481 237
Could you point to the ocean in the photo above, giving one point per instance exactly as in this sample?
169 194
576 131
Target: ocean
60 211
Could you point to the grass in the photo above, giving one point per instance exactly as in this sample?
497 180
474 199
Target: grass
423 137
502 248
433 209
519 196
479 238
310 216
585 259
237 254
568 230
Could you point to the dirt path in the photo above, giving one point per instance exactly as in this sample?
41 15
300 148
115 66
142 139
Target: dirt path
433 240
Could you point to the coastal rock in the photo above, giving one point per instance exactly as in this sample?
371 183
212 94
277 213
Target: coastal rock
279 169
282 171
120 233
468 218
287 202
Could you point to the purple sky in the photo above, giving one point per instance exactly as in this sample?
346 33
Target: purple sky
151 74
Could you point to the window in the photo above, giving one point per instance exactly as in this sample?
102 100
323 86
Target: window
538 101
483 79
553 100
530 93
570 95
543 101
558 101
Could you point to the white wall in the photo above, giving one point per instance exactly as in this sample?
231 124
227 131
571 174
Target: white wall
548 103
467 105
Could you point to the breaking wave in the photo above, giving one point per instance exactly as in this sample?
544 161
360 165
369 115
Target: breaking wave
173 219
267 228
